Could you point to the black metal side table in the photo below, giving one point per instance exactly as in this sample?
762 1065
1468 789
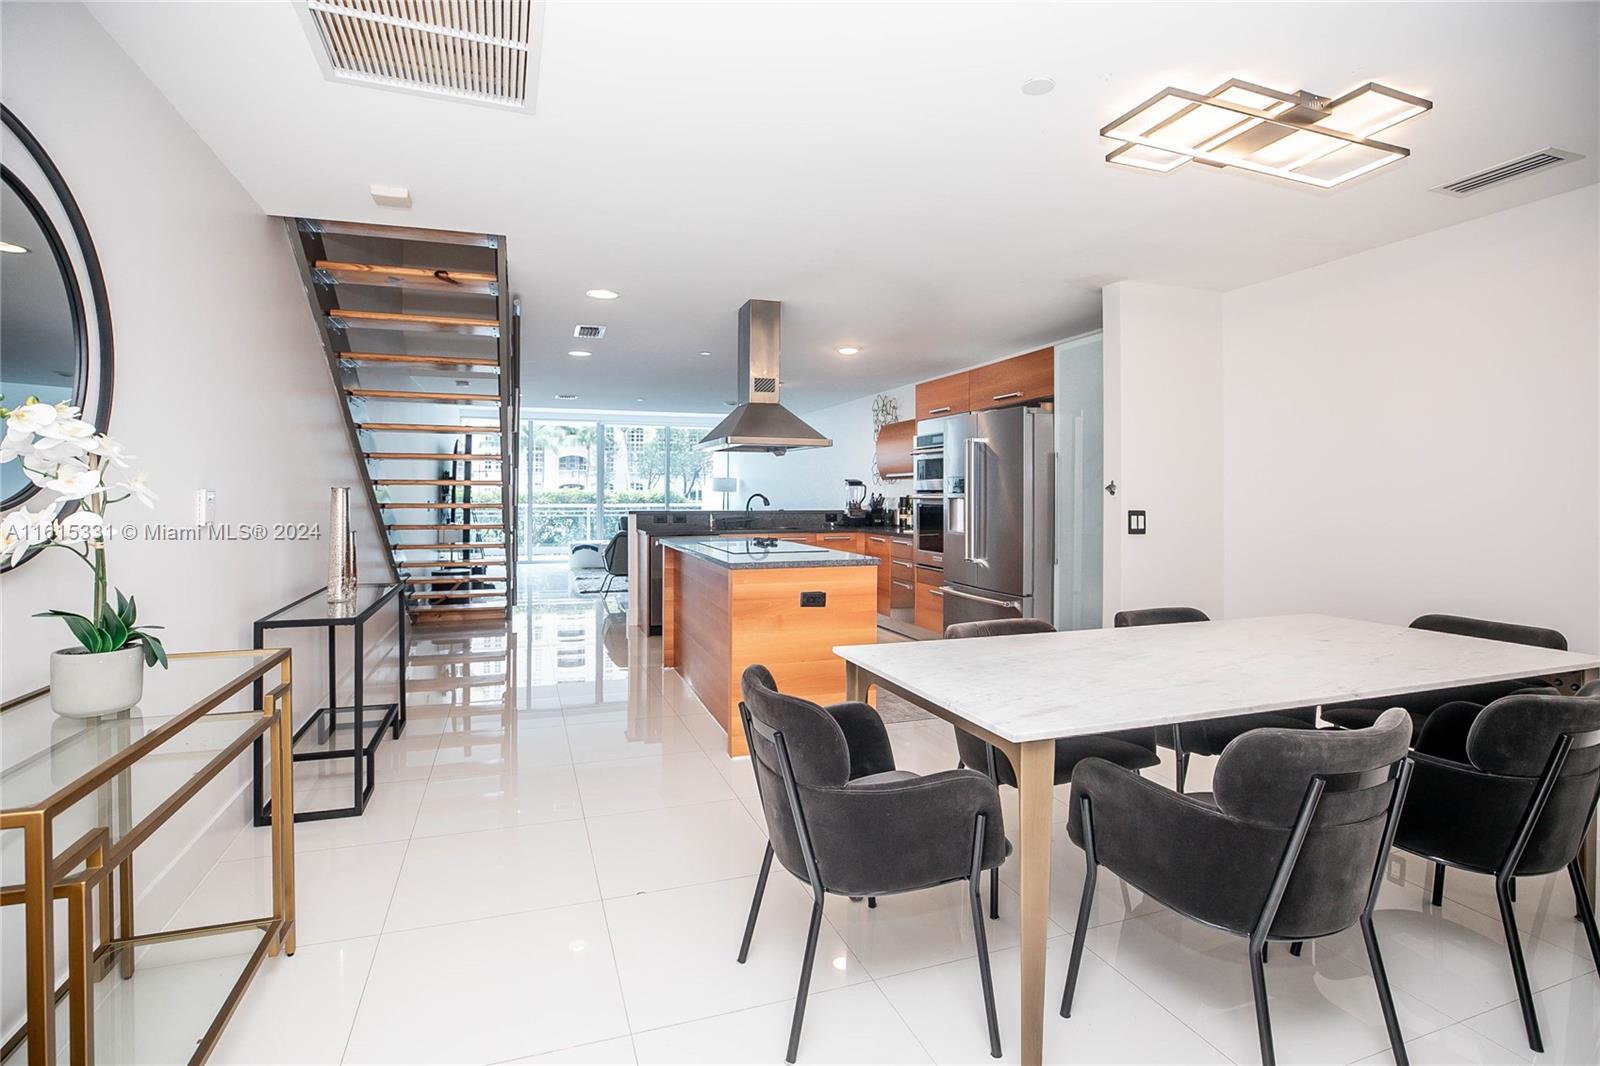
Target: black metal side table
312 611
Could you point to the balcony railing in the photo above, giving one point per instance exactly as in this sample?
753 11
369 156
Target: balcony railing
551 527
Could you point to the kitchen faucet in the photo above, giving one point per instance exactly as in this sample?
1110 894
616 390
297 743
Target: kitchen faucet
750 503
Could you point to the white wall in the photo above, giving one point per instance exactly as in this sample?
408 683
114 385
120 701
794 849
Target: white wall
1415 428
1163 417
814 478
220 383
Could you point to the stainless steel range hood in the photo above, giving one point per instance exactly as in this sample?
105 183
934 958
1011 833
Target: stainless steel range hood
760 423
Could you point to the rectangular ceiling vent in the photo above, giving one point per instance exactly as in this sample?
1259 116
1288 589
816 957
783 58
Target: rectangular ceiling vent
1516 168
466 50
588 332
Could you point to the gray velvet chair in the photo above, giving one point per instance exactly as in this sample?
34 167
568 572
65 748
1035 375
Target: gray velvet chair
1134 749
1212 736
1291 846
842 818
1358 714
1508 790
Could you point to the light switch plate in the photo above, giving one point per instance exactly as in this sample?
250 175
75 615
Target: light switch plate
1136 523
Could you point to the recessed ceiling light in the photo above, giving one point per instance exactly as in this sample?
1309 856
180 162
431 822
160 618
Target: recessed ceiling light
17 249
705 353
1299 136
848 350
579 353
638 399
566 396
602 294
1038 85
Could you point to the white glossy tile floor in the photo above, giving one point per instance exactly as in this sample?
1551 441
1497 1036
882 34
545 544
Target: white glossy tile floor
558 870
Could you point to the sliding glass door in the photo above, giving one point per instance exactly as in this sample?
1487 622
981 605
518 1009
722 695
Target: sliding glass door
581 478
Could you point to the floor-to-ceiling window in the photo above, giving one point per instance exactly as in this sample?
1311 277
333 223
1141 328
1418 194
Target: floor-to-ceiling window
581 477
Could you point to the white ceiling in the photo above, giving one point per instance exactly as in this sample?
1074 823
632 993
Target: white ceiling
875 166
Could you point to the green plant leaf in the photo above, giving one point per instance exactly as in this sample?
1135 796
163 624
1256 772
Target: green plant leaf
154 651
83 629
102 641
115 631
125 609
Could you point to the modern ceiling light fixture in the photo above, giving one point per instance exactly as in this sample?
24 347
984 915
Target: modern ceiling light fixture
602 294
578 353
1300 136
848 350
1038 85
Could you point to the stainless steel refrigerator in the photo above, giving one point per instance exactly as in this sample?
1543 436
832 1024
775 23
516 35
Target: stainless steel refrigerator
999 515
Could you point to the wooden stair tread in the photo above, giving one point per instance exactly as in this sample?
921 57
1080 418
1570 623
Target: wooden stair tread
465 657
401 233
448 506
441 579
424 397
451 525
422 360
424 427
469 594
487 327
433 481
458 616
454 684
476 282
442 457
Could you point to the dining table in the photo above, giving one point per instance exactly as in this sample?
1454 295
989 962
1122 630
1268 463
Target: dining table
1021 693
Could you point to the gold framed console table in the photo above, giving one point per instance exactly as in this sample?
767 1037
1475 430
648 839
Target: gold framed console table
79 796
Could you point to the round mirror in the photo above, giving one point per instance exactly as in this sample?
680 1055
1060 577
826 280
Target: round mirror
41 319
55 323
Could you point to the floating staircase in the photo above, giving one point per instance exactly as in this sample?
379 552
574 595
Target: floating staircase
423 341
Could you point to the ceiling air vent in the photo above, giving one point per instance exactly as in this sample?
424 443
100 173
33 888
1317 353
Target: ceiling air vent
1516 168
464 50
589 332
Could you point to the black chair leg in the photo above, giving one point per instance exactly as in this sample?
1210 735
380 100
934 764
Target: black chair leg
872 903
1438 884
1081 930
1585 909
1519 967
1258 985
1380 977
1297 947
755 903
981 939
994 894
805 980
1183 769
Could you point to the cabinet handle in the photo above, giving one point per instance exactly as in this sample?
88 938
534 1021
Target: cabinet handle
936 592
938 410
843 537
878 540
903 584
1008 395
901 562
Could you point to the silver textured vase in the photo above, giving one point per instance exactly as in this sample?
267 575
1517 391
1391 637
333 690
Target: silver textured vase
341 575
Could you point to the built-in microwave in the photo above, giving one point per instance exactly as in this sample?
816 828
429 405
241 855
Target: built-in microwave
927 459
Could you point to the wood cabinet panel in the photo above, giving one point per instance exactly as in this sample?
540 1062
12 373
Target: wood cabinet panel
878 546
900 548
929 612
1020 379
943 396
894 449
839 542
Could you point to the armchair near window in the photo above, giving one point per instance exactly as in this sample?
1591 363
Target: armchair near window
1291 846
842 818
1212 736
1508 790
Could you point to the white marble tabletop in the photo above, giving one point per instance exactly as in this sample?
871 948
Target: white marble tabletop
1046 685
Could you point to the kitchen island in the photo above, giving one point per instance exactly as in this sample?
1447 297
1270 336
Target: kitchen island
731 601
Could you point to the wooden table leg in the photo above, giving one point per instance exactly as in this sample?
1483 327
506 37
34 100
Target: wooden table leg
856 683
1588 850
1036 786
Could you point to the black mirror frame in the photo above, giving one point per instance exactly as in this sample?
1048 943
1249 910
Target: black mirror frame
101 416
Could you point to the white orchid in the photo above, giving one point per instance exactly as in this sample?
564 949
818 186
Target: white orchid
15 444
69 429
32 417
23 529
81 527
139 488
73 483
108 449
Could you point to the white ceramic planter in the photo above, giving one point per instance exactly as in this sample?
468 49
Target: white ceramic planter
86 685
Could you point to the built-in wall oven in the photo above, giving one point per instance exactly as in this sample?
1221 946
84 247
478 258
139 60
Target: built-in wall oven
927 459
927 530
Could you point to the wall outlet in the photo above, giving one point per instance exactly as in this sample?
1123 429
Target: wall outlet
1136 523
813 599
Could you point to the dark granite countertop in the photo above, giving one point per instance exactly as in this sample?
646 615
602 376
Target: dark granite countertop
739 553
714 523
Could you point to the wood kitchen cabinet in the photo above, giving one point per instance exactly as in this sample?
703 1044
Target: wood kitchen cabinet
1020 379
895 441
879 546
944 396
839 542
930 599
